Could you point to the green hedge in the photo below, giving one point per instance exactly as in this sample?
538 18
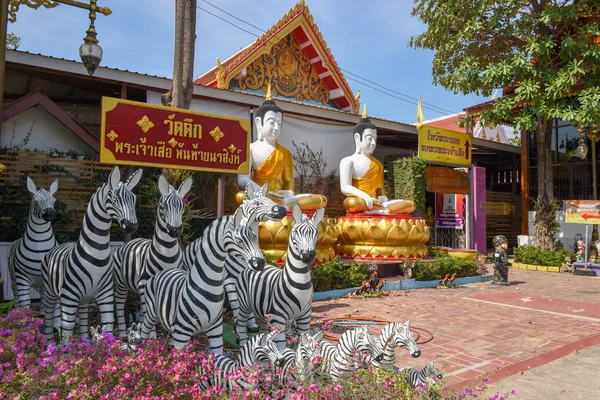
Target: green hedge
334 275
537 256
436 270
406 180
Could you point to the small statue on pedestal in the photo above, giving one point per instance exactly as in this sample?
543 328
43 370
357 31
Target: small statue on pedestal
501 264
580 251
568 267
373 284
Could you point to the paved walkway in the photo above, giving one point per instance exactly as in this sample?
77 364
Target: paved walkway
481 329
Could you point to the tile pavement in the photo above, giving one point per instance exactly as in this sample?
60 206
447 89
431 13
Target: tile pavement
540 317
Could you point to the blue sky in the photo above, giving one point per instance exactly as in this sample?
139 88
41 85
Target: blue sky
369 39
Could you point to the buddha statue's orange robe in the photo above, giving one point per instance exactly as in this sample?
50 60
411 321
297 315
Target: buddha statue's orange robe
372 184
278 171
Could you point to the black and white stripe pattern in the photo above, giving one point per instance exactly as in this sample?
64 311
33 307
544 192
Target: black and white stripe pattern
354 348
423 377
286 294
25 254
140 259
259 349
134 337
307 350
79 273
395 335
263 209
188 303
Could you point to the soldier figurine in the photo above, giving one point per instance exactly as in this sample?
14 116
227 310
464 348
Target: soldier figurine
501 264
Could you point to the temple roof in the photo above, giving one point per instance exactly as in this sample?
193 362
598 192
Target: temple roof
298 24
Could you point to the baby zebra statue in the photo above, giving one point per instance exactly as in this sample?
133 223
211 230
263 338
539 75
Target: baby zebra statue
134 337
423 377
25 254
259 349
188 303
395 335
286 293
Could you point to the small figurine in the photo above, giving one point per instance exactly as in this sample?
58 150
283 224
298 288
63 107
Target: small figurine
447 283
374 284
568 267
501 264
580 251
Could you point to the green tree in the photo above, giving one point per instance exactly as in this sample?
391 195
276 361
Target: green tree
12 41
543 53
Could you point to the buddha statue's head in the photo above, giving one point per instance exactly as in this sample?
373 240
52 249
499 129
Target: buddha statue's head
365 134
268 119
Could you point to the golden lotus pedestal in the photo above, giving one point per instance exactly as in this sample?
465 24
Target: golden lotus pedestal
273 238
382 237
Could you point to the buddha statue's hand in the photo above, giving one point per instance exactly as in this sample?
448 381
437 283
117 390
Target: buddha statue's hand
368 200
382 199
286 193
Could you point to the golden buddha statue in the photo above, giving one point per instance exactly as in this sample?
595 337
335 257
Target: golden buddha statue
361 176
272 163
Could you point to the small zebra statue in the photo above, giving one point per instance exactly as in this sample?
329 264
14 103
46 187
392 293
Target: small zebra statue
79 273
188 303
395 335
25 254
134 338
421 378
140 259
308 349
286 293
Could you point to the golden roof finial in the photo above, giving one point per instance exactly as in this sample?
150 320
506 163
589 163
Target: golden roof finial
269 96
364 114
357 97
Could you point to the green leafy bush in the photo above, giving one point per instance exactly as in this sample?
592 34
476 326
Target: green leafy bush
334 275
406 180
436 270
535 255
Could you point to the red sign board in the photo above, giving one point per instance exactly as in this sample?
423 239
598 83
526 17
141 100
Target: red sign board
143 134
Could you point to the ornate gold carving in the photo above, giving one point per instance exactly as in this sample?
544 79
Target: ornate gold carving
386 237
145 124
173 142
232 148
221 75
288 72
35 4
112 135
217 134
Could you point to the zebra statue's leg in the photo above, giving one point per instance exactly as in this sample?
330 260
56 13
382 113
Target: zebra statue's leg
214 333
49 306
241 326
22 291
149 320
83 320
106 305
303 322
68 313
280 323
120 299
144 307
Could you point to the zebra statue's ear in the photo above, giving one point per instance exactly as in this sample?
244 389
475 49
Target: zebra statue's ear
250 191
134 179
114 178
237 217
163 185
297 213
319 336
318 216
265 189
185 187
54 187
31 186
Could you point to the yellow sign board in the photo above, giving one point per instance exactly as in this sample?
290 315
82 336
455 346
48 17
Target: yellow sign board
444 146
582 211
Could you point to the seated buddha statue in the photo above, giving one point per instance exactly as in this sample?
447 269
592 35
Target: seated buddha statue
361 176
271 162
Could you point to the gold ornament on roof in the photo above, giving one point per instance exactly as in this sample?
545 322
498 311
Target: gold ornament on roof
357 97
364 113
269 96
221 74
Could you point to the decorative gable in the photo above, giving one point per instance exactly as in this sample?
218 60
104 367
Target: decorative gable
293 57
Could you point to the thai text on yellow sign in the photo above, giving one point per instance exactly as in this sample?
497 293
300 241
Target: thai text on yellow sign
444 146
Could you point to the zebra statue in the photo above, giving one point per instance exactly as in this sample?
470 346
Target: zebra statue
259 349
140 259
307 351
134 337
267 210
354 348
395 335
78 273
25 254
286 293
187 303
423 377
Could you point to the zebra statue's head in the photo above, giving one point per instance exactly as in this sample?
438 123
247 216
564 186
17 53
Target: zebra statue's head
97 333
42 203
120 200
366 344
400 335
172 204
305 233
309 348
134 336
266 209
431 370
242 242
281 359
